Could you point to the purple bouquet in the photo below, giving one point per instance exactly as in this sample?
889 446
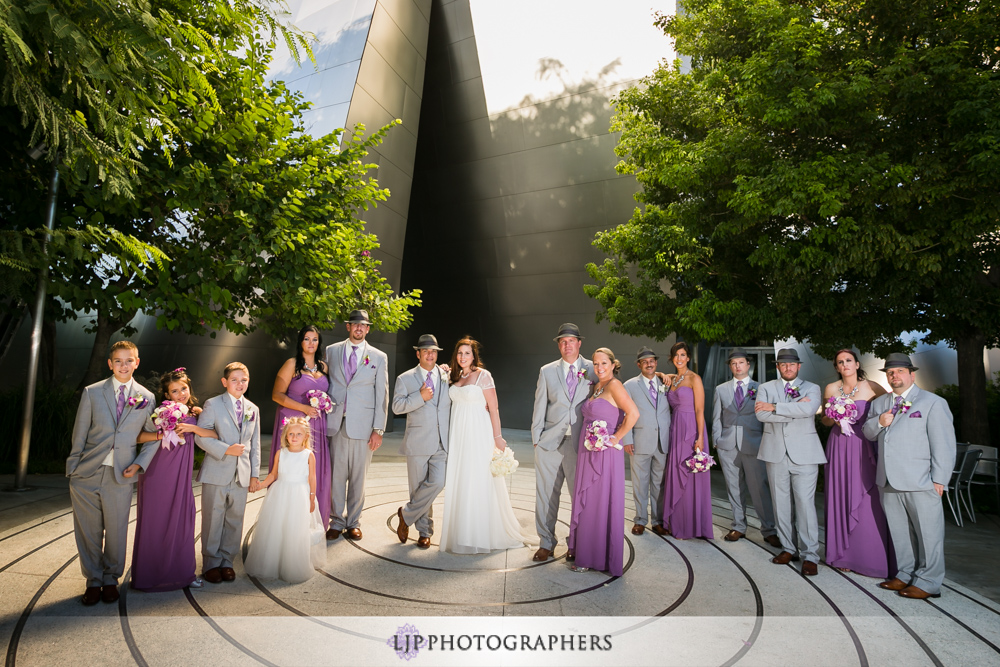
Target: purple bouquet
598 437
320 400
842 410
700 462
166 418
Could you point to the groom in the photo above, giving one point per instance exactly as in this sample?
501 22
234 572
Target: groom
421 394
555 431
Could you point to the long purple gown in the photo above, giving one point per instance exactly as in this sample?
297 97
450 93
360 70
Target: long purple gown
597 529
857 536
163 553
297 390
687 496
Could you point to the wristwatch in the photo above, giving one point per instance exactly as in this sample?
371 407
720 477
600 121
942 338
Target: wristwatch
380 432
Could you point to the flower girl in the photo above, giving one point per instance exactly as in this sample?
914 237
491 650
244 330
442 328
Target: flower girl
289 541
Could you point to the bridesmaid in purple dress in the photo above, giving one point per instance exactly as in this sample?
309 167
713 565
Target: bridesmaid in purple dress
857 536
307 371
163 553
687 496
597 527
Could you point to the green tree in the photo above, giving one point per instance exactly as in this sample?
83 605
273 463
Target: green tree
825 171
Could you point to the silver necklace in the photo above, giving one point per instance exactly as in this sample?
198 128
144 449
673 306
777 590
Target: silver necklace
678 380
465 375
600 389
853 391
311 369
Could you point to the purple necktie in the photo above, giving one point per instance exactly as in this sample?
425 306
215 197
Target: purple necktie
571 382
121 402
429 382
896 406
352 364
652 392
239 412
739 394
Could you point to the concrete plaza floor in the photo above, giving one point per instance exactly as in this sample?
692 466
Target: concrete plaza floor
693 602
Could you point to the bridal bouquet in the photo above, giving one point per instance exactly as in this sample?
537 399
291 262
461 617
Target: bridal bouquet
503 462
842 410
320 400
700 462
166 418
598 437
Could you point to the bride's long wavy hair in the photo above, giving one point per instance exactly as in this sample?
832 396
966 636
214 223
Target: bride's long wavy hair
456 370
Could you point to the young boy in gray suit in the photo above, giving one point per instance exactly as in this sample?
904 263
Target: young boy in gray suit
102 467
231 468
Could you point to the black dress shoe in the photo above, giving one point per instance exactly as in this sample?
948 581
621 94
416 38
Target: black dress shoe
91 596
109 594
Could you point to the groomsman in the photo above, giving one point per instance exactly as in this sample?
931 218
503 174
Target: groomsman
647 443
737 433
359 384
916 454
792 451
421 394
555 431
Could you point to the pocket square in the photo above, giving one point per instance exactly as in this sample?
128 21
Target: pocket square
915 415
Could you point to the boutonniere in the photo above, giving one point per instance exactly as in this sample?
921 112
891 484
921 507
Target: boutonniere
249 417
905 406
366 361
443 377
792 392
581 374
752 392
137 401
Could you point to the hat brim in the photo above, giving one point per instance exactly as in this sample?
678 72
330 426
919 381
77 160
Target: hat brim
646 356
889 368
359 322
428 347
568 335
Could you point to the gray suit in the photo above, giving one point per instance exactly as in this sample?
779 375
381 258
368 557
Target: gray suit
736 433
555 451
650 437
425 443
916 450
225 479
362 407
792 451
100 494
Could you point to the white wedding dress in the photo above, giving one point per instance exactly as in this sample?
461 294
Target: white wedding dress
478 517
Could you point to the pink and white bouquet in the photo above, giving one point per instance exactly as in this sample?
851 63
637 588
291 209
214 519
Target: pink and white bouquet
699 462
320 400
598 437
842 410
503 462
166 417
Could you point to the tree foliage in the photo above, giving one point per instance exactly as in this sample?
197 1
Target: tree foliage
826 171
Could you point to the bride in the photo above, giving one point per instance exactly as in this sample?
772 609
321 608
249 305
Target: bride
478 517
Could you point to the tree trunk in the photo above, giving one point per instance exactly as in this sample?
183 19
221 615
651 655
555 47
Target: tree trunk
972 388
47 367
97 367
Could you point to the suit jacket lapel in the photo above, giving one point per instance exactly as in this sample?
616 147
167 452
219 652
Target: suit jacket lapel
227 400
109 396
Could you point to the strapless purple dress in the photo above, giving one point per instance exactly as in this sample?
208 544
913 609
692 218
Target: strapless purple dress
687 496
297 390
857 536
597 529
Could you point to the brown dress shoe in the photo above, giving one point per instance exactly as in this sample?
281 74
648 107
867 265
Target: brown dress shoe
213 576
542 555
733 536
402 530
915 593
784 558
660 530
91 596
773 541
809 568
228 573
638 529
109 594
332 534
353 534
893 585
424 542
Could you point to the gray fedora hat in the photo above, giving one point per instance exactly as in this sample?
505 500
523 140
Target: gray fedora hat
427 342
644 353
898 360
568 330
358 317
787 355
738 353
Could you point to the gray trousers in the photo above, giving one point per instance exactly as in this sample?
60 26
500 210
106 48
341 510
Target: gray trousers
425 475
552 468
746 476
222 509
916 525
351 459
793 482
647 486
100 523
